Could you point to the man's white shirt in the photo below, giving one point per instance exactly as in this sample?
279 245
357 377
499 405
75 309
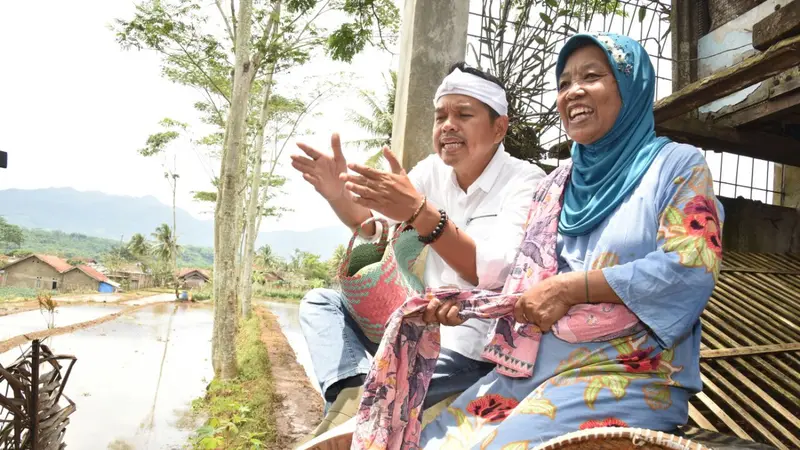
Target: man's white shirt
492 212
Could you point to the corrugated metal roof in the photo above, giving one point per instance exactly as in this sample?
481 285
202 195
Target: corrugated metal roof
750 353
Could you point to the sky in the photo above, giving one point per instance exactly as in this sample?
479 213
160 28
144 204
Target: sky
76 108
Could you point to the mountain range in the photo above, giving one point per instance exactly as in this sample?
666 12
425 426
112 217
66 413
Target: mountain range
114 216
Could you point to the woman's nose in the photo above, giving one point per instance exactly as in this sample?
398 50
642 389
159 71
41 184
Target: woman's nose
575 91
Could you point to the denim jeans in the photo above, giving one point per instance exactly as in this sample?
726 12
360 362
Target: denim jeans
339 350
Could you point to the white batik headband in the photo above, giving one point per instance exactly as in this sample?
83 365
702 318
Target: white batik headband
458 82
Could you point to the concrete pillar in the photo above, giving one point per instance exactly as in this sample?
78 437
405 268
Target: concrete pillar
787 180
433 36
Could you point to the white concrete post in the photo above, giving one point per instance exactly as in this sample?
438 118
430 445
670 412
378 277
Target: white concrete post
433 36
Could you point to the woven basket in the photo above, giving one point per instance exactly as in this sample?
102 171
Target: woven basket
376 278
617 438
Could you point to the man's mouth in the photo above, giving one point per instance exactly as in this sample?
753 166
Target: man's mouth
451 145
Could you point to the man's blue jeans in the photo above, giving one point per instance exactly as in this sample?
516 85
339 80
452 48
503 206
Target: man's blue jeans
339 350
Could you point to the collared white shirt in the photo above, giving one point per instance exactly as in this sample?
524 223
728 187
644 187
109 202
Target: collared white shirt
492 212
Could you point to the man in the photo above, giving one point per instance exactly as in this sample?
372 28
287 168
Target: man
485 195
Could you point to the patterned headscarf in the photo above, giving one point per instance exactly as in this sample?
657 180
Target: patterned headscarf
606 171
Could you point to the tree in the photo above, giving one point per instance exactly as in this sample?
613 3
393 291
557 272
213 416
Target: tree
285 115
165 247
259 40
336 261
379 122
518 41
265 258
11 234
156 145
138 245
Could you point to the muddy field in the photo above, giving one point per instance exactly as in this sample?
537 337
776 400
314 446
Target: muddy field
153 357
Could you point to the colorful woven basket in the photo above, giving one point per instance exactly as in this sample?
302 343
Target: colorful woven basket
376 278
618 438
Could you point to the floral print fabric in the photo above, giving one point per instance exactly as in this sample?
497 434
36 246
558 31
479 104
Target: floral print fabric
660 252
389 414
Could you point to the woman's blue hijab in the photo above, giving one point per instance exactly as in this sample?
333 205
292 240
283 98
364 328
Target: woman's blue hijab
606 171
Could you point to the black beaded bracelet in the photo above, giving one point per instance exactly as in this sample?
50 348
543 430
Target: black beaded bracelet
436 231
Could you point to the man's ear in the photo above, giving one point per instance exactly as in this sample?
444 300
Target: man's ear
500 127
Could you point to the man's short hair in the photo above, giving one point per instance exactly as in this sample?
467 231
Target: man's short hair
462 66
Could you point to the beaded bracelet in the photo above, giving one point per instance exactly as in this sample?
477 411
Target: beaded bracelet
436 231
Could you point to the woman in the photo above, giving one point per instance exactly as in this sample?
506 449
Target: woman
621 254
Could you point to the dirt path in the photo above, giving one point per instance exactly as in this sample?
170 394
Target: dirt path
301 404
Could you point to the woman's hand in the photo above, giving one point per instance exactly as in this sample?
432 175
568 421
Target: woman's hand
545 303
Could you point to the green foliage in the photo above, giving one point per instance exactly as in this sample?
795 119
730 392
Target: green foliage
370 16
76 245
241 411
525 61
8 293
378 122
10 234
157 142
165 243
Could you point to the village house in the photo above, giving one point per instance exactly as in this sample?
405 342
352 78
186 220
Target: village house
132 276
48 272
193 278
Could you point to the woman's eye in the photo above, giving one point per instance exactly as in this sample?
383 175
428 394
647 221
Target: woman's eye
466 115
592 76
563 85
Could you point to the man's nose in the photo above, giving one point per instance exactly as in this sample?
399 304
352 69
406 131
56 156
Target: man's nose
448 125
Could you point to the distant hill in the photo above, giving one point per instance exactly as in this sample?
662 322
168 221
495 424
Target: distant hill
111 216
76 245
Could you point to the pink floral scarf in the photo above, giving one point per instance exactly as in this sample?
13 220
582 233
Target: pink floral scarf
389 416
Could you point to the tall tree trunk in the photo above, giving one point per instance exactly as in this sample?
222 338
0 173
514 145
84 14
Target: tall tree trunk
174 236
246 276
226 220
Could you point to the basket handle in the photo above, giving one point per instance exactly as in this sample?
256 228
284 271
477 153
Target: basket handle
381 242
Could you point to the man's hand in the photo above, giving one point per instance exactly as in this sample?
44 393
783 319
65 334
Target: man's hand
322 170
445 313
389 193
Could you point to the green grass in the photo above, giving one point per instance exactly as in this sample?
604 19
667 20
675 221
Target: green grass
241 411
10 293
279 295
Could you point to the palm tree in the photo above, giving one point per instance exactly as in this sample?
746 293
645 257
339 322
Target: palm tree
265 258
379 122
163 249
336 260
138 245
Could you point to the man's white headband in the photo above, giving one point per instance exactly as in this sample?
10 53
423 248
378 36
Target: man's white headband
458 82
